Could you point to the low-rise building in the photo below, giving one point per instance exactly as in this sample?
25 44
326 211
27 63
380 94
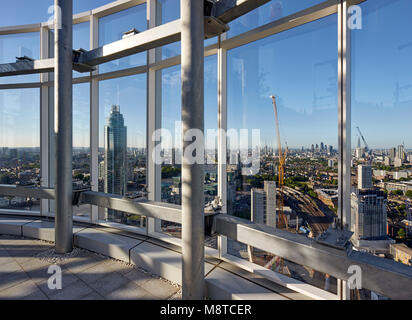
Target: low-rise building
401 253
328 196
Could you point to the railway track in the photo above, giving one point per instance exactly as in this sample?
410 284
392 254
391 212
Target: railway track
308 208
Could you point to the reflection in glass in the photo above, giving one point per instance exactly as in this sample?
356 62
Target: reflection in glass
81 40
299 67
171 145
122 143
112 27
19 45
272 11
81 143
381 131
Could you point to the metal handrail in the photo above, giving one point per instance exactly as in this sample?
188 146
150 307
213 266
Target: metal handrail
384 276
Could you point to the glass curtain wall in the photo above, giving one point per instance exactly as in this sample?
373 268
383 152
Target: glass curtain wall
122 143
299 68
20 144
381 101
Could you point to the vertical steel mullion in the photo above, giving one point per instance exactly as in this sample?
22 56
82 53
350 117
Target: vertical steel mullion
44 121
344 112
94 118
63 103
153 117
192 77
222 143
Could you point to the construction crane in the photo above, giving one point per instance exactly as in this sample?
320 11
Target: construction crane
363 139
281 168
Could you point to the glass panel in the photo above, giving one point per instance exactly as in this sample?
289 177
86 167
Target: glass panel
170 11
112 27
272 11
171 117
20 144
81 39
381 131
29 11
19 45
81 143
298 67
122 143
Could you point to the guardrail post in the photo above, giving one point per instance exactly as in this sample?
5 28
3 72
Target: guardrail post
63 44
192 35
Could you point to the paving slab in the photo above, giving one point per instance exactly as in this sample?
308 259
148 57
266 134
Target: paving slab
159 288
11 279
109 283
74 291
130 291
24 290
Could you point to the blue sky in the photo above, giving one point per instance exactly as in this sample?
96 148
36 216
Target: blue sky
299 66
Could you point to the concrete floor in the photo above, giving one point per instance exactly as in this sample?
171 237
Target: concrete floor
24 274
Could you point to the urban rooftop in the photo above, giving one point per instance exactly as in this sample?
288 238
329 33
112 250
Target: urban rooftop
206 150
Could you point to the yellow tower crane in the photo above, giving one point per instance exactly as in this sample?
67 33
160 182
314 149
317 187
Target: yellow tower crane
281 168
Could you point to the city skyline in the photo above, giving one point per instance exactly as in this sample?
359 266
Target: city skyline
381 105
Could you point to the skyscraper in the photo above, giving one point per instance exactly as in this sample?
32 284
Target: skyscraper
392 154
368 209
115 155
263 204
401 152
364 177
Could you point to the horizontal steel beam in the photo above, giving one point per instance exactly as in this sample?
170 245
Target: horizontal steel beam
19 191
159 210
146 40
225 11
387 277
291 21
26 67
229 10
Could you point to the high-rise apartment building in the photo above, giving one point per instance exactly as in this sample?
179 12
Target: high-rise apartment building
392 153
401 152
115 155
263 204
364 177
368 209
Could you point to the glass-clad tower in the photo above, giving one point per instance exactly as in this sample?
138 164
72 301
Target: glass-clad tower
115 155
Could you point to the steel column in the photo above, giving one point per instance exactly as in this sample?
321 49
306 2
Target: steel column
192 34
63 44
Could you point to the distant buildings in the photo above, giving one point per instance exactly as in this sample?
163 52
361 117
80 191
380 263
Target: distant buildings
401 152
328 196
364 177
368 208
368 214
115 156
398 162
263 204
392 154
401 253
